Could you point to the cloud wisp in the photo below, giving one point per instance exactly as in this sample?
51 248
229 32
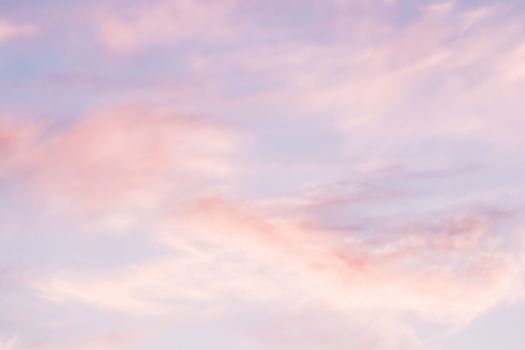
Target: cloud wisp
10 31
314 174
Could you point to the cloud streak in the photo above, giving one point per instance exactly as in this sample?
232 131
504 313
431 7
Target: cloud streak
449 273
10 31
120 160
262 174
167 22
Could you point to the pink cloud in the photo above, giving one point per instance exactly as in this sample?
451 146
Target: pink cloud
10 31
125 157
415 273
16 136
449 273
316 330
167 22
449 75
7 344
108 340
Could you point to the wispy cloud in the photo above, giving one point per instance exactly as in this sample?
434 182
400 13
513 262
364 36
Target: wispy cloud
281 174
7 344
447 273
11 31
120 161
167 22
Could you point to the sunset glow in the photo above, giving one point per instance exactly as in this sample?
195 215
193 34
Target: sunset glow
262 174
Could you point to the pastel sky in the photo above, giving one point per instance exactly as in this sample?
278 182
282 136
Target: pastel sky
262 174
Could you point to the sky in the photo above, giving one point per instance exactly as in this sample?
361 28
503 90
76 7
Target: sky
262 174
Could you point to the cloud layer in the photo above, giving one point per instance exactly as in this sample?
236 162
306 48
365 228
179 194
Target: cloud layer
260 174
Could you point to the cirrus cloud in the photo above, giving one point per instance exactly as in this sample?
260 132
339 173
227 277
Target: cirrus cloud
11 31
